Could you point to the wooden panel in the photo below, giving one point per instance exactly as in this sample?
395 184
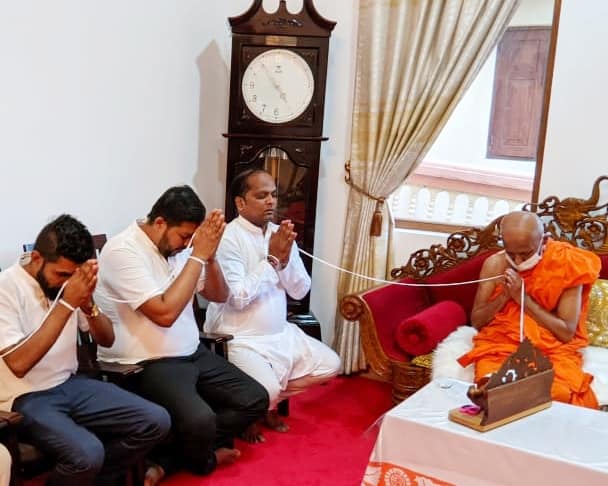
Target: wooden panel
519 81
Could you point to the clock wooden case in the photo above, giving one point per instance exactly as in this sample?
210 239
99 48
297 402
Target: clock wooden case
277 98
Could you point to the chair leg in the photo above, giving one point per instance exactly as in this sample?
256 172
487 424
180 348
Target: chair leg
283 407
12 444
136 474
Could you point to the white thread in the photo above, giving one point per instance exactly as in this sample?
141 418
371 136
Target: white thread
373 279
27 338
199 260
67 305
392 282
63 302
521 312
331 265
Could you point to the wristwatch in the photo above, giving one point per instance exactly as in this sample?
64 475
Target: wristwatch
94 311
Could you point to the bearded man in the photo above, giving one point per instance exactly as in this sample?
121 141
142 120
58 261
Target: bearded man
148 278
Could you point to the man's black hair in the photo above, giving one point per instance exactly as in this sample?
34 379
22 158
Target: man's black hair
240 184
178 205
65 237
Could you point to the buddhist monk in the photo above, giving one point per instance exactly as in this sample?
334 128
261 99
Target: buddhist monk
557 279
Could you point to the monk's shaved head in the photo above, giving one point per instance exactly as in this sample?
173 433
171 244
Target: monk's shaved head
522 235
522 223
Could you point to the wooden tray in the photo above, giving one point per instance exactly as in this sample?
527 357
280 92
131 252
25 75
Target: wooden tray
474 421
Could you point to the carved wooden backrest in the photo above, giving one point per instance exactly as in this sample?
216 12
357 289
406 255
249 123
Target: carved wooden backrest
582 222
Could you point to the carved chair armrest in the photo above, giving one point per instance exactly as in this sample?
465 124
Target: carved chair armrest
214 337
354 308
216 342
9 418
118 370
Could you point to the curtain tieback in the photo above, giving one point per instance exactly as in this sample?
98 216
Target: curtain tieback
375 228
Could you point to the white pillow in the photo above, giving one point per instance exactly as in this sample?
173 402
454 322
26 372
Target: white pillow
595 361
449 350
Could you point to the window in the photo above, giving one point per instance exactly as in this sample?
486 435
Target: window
483 163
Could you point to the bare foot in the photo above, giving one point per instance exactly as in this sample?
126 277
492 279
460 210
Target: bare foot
274 422
253 434
154 475
223 455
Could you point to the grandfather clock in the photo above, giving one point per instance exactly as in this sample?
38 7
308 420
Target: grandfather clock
277 97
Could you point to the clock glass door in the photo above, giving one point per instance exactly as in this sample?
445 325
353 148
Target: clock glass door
296 197
290 180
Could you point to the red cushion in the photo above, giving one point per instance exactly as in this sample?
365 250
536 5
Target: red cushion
421 333
463 272
389 305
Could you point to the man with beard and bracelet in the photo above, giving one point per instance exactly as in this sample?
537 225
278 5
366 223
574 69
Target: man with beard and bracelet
147 281
93 430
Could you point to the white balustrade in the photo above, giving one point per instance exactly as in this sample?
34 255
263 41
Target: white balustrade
437 205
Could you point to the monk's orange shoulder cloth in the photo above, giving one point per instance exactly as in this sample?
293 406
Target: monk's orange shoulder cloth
562 266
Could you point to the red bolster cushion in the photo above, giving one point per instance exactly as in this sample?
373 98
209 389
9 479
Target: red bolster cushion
422 332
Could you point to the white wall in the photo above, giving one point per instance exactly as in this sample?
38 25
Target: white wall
105 104
575 152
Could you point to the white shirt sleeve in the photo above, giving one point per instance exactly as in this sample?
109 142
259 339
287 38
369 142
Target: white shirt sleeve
129 278
244 286
11 330
294 277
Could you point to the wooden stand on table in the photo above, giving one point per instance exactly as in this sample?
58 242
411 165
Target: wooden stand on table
521 387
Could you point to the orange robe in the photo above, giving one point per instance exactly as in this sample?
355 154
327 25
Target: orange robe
562 266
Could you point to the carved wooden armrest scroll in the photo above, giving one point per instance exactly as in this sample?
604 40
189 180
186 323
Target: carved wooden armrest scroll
351 307
460 246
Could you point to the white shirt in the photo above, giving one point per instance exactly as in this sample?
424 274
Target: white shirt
257 304
132 269
23 307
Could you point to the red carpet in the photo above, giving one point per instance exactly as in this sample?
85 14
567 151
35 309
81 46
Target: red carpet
328 442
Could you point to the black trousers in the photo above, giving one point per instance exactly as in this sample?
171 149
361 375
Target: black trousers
210 402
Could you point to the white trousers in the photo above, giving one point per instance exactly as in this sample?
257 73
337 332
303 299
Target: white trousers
5 466
285 364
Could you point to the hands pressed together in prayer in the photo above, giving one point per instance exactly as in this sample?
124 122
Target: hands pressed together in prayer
80 286
281 241
208 235
513 284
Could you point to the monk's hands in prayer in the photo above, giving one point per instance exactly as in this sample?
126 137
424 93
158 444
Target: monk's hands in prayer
280 242
208 235
513 284
80 287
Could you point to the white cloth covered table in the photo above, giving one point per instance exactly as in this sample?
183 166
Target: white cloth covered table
419 445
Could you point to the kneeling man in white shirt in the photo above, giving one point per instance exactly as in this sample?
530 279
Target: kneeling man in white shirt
261 265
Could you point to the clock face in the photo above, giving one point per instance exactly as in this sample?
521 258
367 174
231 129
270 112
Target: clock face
278 86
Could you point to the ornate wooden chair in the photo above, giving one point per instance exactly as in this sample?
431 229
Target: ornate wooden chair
379 310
